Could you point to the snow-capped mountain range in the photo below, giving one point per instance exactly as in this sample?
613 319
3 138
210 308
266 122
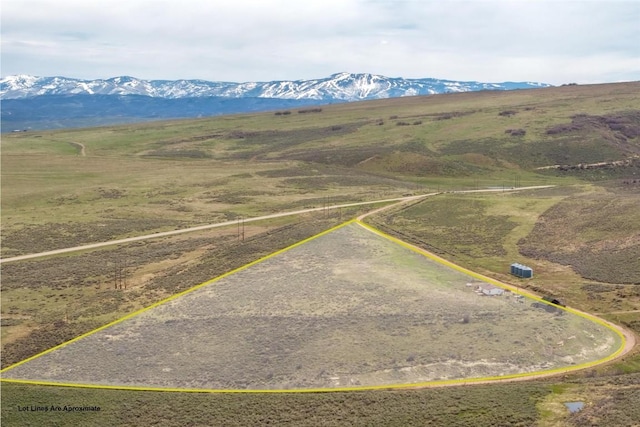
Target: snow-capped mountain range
340 87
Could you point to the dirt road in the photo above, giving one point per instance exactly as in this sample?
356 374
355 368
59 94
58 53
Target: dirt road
192 229
229 223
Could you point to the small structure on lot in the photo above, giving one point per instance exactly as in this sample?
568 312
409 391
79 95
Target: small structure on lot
521 270
489 290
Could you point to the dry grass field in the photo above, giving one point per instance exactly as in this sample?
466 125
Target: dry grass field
346 309
142 178
174 174
48 301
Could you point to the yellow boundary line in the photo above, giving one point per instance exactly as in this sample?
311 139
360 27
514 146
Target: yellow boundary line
172 297
513 289
413 248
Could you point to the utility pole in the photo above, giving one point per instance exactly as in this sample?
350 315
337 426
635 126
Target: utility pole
120 274
116 274
240 229
124 273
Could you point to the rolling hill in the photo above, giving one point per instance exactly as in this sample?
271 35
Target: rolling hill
35 103
66 187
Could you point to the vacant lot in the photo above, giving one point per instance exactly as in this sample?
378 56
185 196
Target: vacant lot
348 308
48 301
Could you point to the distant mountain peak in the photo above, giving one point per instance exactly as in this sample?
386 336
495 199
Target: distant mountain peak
342 86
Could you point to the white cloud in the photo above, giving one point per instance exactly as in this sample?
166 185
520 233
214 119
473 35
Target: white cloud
244 40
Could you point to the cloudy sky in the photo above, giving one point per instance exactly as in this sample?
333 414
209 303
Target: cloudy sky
551 41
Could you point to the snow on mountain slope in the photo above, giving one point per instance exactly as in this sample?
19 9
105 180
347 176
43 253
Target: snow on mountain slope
337 87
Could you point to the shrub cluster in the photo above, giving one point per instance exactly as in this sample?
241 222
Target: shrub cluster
562 128
451 115
192 154
515 132
310 110
417 122
627 124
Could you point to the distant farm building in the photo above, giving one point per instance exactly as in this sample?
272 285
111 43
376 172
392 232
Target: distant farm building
521 270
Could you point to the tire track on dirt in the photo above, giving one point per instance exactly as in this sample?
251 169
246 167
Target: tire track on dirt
80 147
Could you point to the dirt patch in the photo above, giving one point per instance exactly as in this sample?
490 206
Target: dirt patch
81 149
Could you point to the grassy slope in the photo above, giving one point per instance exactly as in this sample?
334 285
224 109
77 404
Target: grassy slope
598 233
173 174
489 232
193 171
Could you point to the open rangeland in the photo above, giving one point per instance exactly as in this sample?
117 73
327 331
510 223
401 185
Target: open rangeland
159 176
145 178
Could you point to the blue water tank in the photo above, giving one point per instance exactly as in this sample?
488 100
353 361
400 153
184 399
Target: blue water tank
520 270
